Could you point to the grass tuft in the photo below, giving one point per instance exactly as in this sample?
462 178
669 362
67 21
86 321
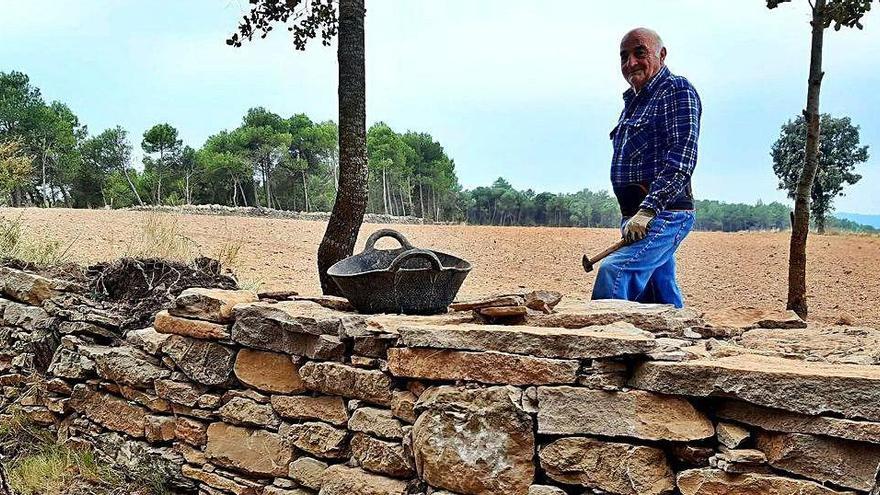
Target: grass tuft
17 242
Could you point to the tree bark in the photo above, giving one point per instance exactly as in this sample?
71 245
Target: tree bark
351 199
797 261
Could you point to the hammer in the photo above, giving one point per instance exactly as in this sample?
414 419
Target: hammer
588 263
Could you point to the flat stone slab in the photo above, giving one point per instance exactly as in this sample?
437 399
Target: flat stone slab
838 344
825 460
805 387
210 304
662 319
617 339
30 288
485 367
634 414
717 482
790 422
735 320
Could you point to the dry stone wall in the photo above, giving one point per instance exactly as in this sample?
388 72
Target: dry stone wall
228 394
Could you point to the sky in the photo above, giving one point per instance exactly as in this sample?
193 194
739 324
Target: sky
515 88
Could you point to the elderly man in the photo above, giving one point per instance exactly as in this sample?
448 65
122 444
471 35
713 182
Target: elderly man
655 152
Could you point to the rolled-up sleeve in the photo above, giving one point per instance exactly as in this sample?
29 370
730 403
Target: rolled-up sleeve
681 120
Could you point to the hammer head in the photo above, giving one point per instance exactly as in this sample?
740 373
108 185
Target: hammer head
588 265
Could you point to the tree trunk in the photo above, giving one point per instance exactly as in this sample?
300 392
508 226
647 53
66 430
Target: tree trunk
797 261
305 190
351 199
384 192
421 201
131 185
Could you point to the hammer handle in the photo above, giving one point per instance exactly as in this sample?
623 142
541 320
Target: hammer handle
614 247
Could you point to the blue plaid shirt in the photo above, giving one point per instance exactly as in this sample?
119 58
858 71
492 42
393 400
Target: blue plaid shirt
655 140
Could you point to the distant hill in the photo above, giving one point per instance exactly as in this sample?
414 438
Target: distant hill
872 220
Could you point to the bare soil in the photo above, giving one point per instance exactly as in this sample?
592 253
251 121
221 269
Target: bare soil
715 269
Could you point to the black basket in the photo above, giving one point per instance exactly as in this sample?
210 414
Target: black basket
404 280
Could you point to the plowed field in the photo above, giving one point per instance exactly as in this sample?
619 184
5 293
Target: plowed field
715 269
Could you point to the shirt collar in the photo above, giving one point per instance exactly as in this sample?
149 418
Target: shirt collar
662 74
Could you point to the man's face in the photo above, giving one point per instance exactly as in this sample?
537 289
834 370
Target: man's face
639 59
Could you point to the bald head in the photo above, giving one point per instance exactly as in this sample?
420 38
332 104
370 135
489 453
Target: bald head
642 55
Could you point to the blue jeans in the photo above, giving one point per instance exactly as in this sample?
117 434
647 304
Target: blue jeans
645 270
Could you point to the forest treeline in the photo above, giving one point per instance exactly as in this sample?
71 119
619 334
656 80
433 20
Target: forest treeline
49 158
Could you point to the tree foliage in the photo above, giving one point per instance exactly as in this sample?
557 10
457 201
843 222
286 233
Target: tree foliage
839 153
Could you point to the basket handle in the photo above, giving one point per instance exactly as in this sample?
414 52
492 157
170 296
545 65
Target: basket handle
375 236
415 253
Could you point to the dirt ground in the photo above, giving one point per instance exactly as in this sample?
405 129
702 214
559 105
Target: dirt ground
715 269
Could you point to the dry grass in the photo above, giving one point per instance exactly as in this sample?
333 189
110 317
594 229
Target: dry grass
37 465
18 243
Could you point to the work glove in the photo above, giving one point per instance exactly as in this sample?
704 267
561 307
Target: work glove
636 228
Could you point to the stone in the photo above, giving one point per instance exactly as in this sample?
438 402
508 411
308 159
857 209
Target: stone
183 393
485 367
689 455
190 454
110 412
202 361
191 431
268 371
604 374
318 439
327 408
124 365
75 307
210 304
379 456
159 428
27 317
376 422
251 451
166 323
375 345
253 330
402 404
543 300
29 288
214 480
246 412
838 344
785 421
503 311
330 302
340 379
342 480
603 341
68 363
307 472
633 414
842 462
727 322
730 435
617 468
717 482
488 302
474 441
739 461
147 340
545 490
805 387
660 319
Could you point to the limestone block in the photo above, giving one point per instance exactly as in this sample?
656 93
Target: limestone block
28 287
191 431
636 414
327 408
545 490
342 480
603 341
242 411
379 456
660 319
124 365
268 371
717 482
111 412
842 462
183 393
166 323
210 304
307 472
251 329
248 450
786 421
730 435
485 367
618 468
202 361
159 428
340 379
805 387
217 481
318 439
376 422
474 441
402 404
147 340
